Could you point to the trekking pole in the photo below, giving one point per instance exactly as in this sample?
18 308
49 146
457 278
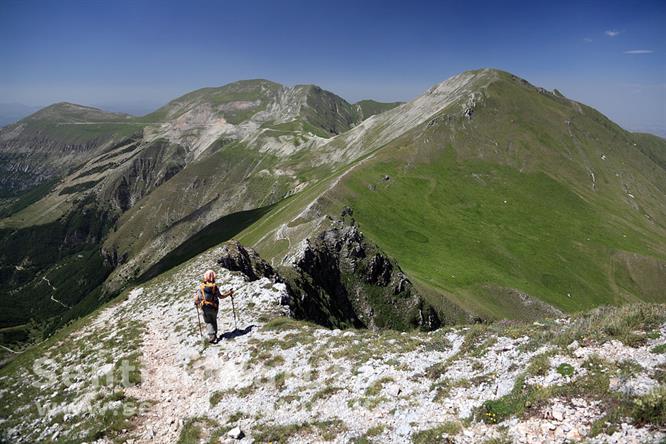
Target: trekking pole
233 308
199 320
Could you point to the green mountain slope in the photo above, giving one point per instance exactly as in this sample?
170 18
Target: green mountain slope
369 108
511 195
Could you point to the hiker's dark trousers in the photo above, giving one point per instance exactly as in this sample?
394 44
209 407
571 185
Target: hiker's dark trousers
210 318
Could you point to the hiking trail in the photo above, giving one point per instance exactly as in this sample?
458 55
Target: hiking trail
282 380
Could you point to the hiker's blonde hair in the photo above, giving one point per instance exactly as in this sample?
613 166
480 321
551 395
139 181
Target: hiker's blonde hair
209 276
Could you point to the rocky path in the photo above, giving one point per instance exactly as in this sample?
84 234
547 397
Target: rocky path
176 362
166 387
48 282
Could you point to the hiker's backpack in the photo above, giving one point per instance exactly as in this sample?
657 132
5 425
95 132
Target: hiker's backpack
209 294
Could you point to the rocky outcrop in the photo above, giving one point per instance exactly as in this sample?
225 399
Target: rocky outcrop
236 257
339 279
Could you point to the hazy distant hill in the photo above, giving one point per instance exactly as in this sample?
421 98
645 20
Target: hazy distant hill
12 112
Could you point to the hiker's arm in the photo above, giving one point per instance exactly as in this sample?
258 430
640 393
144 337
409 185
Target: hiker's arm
226 294
196 298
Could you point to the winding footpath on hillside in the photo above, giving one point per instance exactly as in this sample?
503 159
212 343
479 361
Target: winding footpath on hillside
48 282
281 380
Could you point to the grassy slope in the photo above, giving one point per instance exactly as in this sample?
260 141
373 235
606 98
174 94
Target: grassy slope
371 107
64 252
462 216
454 233
506 200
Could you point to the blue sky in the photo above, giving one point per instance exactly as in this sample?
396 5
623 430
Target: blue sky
136 55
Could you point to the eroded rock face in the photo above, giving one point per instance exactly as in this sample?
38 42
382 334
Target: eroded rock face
152 166
340 279
27 161
236 257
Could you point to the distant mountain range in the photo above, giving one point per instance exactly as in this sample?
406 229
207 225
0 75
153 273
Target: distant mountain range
653 129
13 112
496 198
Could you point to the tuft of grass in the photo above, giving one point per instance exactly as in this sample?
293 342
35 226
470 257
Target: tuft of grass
281 434
245 391
376 387
324 393
442 389
627 324
375 431
628 368
274 361
565 369
651 408
191 433
539 365
288 399
216 397
658 349
497 410
504 439
366 438
197 429
473 340
280 380
440 344
654 334
235 417
437 434
284 323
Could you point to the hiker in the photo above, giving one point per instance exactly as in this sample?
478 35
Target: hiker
207 299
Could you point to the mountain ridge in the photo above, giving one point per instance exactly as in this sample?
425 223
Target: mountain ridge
444 184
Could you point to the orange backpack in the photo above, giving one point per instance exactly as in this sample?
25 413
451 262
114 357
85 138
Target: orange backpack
209 294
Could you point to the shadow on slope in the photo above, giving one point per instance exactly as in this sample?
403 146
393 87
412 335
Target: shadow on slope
217 232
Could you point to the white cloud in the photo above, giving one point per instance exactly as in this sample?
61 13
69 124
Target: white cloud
639 51
612 33
587 39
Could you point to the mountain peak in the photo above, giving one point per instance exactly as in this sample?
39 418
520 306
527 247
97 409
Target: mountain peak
481 77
